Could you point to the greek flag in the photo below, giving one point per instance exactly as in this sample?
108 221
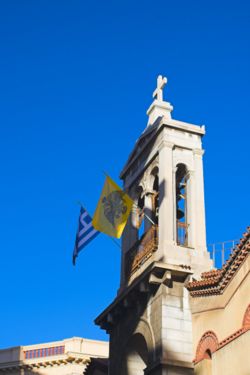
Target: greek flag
85 233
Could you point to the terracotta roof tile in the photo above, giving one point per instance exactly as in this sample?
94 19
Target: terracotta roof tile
215 281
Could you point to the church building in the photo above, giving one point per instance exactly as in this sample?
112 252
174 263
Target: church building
163 321
220 303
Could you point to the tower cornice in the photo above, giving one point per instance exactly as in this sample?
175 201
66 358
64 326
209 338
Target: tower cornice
151 133
199 151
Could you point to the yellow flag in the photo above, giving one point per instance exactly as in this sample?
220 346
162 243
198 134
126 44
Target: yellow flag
112 210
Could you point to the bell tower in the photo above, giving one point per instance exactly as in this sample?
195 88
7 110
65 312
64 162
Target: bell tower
163 244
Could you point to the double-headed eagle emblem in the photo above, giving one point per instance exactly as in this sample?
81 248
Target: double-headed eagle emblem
114 206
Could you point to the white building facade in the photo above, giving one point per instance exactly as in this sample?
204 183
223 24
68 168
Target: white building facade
67 357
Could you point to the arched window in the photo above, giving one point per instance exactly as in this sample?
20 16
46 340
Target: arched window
147 203
140 213
155 195
181 205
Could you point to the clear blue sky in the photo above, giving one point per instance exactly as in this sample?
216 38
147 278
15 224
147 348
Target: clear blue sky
76 80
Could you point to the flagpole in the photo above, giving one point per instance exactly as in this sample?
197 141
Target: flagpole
151 221
105 174
115 242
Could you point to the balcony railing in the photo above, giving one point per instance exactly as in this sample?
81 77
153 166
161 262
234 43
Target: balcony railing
141 251
43 352
220 251
182 233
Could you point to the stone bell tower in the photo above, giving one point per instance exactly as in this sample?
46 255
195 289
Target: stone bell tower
163 245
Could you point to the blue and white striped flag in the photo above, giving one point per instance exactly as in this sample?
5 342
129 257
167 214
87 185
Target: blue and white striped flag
85 233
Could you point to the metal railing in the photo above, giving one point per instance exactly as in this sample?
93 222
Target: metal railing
142 250
182 233
43 352
220 251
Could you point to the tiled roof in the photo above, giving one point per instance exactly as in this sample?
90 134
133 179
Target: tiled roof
215 281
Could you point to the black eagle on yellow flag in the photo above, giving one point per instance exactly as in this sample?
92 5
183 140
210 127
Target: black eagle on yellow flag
112 210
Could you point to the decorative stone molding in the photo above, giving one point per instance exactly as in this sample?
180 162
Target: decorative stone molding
135 291
246 320
143 185
55 362
209 342
145 182
198 151
165 144
231 337
153 166
191 172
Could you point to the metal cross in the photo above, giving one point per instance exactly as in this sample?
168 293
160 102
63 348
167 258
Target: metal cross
158 93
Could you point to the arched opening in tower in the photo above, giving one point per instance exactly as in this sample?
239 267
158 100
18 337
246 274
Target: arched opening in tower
155 196
135 358
141 216
181 205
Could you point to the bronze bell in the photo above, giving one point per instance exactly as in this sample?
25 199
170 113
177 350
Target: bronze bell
180 214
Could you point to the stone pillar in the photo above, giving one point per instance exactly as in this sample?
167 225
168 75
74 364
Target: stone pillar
129 238
191 197
171 322
177 326
200 229
174 206
166 208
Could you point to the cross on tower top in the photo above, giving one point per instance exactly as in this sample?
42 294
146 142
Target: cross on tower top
159 108
158 93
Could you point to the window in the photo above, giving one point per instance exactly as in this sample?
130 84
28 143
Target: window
140 215
155 198
181 205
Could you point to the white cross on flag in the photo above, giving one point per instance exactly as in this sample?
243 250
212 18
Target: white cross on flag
85 233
